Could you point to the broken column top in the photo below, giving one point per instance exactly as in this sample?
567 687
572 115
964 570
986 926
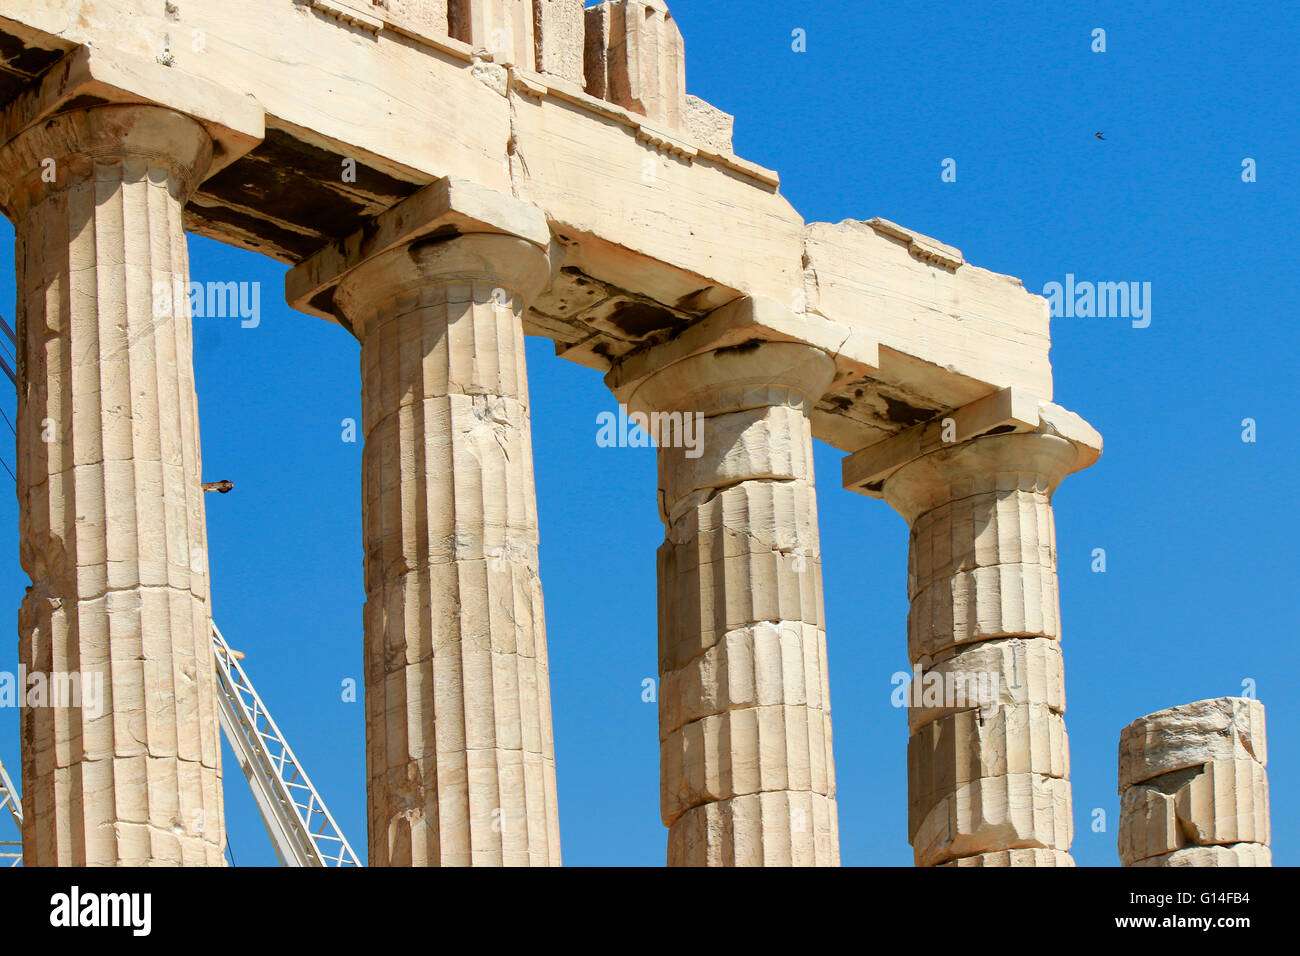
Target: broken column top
1190 735
635 57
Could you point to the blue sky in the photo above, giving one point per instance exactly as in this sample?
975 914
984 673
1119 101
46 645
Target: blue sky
1199 527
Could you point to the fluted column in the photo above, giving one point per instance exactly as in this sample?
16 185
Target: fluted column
109 486
1194 788
988 757
460 755
747 776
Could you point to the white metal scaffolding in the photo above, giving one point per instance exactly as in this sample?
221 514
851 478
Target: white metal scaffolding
302 829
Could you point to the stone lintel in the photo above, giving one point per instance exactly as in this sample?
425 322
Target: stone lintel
88 77
444 209
1001 412
742 322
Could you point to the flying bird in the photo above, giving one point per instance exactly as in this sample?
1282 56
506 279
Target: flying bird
1099 136
221 487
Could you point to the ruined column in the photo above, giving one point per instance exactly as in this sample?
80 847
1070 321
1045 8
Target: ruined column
634 56
747 776
988 757
459 749
503 28
1193 786
109 484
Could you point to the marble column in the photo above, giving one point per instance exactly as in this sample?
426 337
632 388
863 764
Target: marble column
988 757
1194 788
460 752
124 769
747 776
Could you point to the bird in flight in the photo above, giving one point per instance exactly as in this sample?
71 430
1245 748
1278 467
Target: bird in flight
1099 136
221 487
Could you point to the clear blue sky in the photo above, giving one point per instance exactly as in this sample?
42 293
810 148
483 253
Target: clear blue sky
1199 527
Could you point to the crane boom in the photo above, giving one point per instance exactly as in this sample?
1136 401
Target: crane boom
302 829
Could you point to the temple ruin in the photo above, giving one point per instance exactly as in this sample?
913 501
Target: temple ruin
446 177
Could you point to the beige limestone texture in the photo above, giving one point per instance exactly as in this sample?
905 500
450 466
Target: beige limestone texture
472 105
709 126
644 207
429 19
502 29
1223 728
972 745
1010 811
635 58
560 36
855 268
1241 854
109 480
1009 858
1219 803
460 752
1193 779
747 774
1013 671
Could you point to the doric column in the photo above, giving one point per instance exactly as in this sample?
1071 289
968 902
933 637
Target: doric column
460 753
747 776
988 756
109 487
1193 786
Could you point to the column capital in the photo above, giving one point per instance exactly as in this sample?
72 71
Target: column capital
410 243
96 105
747 343
751 375
1007 432
64 151
1025 461
414 273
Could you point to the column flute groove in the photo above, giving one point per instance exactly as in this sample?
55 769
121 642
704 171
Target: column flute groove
747 776
460 751
988 761
109 472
